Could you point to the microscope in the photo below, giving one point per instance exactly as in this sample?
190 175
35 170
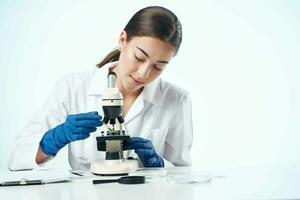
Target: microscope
113 137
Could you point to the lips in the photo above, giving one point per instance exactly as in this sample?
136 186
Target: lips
136 81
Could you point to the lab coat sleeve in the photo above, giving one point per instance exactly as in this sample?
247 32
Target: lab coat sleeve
53 112
180 137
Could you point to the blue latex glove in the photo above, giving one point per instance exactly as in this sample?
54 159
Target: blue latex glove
145 150
76 127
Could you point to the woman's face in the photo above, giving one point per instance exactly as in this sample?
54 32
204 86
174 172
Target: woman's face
142 59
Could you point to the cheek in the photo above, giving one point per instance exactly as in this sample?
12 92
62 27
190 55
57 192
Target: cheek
123 63
128 65
153 75
156 74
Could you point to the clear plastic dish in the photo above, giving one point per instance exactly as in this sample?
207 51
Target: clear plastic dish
150 173
188 177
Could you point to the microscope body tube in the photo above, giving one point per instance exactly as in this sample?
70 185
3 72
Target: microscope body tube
111 80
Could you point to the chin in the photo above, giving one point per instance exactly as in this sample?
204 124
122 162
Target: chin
133 88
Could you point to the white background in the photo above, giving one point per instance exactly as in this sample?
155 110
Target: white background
239 60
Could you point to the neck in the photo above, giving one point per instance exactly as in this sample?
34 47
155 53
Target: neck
129 95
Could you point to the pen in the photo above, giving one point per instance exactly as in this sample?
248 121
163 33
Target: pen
77 173
22 182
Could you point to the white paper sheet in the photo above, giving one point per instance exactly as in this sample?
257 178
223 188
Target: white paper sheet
47 176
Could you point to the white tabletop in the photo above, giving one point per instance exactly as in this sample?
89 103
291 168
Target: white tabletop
239 183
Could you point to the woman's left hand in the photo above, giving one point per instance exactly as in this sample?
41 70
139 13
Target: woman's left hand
145 150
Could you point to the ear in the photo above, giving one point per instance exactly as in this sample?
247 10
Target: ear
122 40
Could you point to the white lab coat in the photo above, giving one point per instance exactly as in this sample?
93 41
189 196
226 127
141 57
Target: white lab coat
161 113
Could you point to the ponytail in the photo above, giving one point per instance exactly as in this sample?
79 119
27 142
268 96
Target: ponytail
110 57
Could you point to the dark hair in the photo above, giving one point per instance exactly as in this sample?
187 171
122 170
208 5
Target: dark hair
153 21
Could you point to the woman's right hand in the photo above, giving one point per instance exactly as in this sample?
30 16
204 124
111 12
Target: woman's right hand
76 127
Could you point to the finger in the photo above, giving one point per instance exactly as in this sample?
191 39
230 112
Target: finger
82 130
125 145
139 146
80 115
145 152
88 123
81 136
93 112
137 140
84 116
150 162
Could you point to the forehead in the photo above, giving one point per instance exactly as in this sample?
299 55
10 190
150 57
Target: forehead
153 46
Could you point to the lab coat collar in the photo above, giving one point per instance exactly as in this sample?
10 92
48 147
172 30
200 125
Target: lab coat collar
151 92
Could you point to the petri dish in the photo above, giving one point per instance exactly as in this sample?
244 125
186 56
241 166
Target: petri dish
150 173
189 177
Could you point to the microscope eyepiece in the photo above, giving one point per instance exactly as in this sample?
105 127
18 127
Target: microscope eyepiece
111 80
111 73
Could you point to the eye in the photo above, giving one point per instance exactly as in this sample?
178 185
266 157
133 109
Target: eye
157 68
138 59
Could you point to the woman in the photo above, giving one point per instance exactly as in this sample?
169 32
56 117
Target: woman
157 113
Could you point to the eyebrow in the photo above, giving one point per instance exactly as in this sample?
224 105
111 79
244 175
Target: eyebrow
145 53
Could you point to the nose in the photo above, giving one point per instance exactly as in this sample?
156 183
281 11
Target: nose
143 71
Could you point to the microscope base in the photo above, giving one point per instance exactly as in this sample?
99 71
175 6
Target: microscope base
113 167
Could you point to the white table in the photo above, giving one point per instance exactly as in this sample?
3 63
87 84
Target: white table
240 183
